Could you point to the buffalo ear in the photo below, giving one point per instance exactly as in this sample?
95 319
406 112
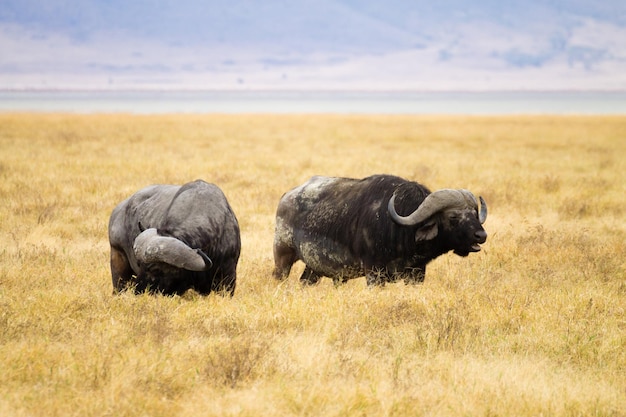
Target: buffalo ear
426 232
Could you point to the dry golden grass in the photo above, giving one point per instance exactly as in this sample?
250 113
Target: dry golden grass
533 325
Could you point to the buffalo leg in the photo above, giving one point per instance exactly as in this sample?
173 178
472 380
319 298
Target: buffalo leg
415 275
284 258
121 272
225 285
376 276
309 276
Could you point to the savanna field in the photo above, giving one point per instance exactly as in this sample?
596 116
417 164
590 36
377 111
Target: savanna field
533 325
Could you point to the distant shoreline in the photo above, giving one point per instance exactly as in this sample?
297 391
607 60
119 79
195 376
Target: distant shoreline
312 91
152 101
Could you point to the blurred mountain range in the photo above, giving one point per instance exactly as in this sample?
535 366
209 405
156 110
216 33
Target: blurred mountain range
321 44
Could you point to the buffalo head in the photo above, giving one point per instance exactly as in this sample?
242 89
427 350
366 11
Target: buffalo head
452 215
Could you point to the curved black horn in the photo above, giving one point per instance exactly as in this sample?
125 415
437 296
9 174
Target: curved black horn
207 261
434 202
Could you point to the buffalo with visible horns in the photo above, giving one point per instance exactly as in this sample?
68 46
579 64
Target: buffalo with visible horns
169 239
383 227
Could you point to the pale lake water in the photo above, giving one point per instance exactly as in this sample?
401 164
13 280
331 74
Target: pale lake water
295 102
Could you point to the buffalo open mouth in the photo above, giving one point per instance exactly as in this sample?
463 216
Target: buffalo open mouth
475 247
466 250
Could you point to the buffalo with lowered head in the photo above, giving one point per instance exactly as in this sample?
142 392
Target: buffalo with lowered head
169 239
382 226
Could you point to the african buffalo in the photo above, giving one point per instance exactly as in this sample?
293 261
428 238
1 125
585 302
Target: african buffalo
345 228
169 238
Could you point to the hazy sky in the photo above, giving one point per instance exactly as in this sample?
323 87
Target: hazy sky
316 44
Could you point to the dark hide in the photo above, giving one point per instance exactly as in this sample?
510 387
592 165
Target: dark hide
197 214
341 228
